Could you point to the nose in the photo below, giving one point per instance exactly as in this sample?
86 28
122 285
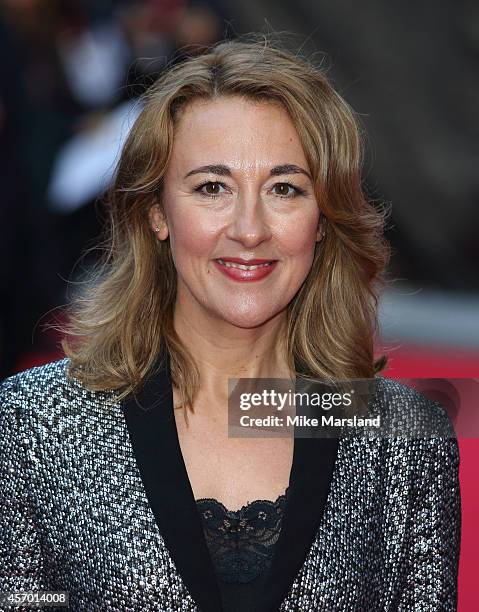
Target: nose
248 223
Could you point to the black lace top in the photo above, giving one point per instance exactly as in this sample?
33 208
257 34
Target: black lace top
241 544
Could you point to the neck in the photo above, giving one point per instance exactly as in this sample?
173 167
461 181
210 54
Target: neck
222 350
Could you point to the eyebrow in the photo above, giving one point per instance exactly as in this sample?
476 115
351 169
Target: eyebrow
222 170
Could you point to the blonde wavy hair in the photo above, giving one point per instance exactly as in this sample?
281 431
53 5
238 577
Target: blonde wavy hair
122 318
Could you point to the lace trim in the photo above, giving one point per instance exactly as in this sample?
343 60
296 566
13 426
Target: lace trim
241 542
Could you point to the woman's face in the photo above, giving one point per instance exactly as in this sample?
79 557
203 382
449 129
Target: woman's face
241 214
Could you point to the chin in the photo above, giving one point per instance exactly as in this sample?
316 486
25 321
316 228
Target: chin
247 319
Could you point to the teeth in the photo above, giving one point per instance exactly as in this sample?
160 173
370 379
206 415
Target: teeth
229 264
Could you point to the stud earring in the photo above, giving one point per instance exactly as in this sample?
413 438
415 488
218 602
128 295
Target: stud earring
157 229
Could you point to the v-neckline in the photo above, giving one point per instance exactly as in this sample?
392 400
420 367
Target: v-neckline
155 444
247 503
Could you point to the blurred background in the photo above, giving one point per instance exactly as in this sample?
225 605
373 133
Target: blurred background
70 75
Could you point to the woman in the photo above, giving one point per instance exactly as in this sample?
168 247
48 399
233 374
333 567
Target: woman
240 246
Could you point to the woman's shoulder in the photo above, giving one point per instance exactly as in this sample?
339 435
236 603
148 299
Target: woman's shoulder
47 390
424 437
36 377
401 404
35 383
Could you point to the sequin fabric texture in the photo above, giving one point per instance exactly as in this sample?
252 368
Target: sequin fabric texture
75 517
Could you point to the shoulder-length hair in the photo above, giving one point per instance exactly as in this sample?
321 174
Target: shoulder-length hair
122 319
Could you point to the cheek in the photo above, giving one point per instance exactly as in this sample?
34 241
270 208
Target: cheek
298 236
191 236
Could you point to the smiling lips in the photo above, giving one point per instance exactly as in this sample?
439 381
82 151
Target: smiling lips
245 269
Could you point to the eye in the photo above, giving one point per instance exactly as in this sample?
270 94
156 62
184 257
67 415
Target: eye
210 189
285 186
209 184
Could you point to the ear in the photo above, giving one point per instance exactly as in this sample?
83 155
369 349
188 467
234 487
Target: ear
158 222
321 228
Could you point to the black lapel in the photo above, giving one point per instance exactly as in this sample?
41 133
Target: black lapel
154 438
310 480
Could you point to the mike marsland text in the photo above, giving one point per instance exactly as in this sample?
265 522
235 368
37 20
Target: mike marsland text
303 421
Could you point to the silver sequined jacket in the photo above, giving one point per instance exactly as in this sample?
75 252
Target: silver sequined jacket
96 501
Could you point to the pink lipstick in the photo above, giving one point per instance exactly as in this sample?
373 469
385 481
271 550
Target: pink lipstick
245 269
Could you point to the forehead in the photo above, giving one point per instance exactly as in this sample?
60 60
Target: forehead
235 131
